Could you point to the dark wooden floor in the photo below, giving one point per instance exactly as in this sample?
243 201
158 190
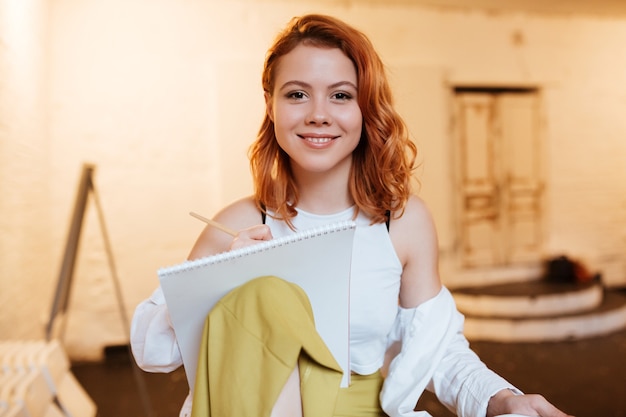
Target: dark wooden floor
586 378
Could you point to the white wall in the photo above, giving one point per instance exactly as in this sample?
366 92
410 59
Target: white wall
164 97
26 252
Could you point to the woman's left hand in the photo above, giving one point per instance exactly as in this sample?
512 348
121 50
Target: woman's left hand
506 402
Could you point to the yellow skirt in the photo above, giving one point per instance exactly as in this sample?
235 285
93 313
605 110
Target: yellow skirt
253 339
361 398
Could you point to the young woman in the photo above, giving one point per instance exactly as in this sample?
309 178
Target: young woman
332 147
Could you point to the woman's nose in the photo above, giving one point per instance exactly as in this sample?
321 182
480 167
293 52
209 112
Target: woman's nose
319 113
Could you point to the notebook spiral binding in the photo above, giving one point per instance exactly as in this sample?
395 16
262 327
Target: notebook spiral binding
256 248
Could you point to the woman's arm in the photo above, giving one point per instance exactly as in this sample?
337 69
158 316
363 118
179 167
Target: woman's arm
415 240
462 380
152 337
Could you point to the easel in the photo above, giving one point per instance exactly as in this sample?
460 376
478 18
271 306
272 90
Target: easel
60 303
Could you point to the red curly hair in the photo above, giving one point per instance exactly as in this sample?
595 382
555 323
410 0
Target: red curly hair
384 159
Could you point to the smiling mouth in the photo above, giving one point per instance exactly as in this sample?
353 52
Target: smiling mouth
318 140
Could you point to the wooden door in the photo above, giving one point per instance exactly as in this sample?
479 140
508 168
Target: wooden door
498 177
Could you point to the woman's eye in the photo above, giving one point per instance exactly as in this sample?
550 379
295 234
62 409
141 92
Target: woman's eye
342 96
298 95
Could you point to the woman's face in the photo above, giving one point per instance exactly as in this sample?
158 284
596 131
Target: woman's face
317 119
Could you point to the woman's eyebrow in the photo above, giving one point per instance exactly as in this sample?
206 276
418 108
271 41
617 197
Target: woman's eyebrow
303 84
343 83
295 83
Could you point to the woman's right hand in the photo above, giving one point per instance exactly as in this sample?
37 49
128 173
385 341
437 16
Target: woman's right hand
243 216
251 235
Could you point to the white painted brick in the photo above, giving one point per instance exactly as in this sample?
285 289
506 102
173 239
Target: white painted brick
145 95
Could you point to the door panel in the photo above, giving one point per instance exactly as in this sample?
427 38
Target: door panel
479 205
519 130
499 177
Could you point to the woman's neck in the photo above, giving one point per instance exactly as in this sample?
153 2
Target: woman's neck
323 194
324 203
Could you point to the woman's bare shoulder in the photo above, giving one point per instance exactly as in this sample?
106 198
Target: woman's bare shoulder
240 214
416 212
413 230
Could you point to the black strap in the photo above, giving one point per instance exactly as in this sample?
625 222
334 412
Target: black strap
388 215
263 213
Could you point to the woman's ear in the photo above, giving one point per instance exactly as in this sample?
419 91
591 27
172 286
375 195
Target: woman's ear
269 109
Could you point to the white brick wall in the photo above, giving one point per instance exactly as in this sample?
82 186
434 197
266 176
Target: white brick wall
25 240
164 97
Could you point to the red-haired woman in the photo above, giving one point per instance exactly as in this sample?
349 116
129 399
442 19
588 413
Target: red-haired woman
331 148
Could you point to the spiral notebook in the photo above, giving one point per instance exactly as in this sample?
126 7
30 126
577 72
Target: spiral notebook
318 260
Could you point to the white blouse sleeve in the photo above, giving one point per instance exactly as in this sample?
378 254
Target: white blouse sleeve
435 355
152 337
463 383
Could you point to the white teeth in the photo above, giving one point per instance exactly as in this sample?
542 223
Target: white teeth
318 140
